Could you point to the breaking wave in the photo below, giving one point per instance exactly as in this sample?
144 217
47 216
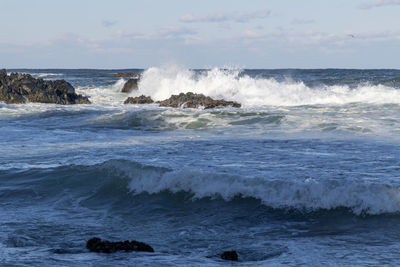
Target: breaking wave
306 195
233 84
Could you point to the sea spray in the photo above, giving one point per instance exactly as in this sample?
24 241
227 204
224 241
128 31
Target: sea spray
236 85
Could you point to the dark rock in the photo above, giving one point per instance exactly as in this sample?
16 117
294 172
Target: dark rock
229 255
21 88
130 85
127 75
191 100
95 244
3 73
139 100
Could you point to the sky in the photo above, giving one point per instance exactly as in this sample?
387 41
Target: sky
200 34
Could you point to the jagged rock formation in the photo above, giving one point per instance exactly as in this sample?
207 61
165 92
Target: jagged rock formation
130 85
21 88
191 100
230 255
95 244
139 100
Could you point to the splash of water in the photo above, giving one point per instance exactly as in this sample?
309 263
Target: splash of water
232 84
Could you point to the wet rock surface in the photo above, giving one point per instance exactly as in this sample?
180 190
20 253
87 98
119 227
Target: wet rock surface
139 100
95 244
230 255
192 100
130 85
20 88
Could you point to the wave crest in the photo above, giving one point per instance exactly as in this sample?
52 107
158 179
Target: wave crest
232 84
111 181
304 194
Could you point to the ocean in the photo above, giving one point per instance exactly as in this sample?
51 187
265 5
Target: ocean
305 173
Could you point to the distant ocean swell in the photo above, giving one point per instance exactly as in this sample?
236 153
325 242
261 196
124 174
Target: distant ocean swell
116 178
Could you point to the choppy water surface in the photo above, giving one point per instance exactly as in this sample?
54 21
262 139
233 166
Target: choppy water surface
305 173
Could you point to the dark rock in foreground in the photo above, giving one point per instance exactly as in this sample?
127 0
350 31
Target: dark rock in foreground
139 100
21 88
130 85
229 255
127 75
191 100
97 245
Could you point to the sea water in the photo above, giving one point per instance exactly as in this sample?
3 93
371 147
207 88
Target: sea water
306 172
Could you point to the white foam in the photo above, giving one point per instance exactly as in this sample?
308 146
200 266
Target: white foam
161 83
105 95
45 74
360 196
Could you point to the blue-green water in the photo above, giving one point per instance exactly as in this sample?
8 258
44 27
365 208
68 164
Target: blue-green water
305 173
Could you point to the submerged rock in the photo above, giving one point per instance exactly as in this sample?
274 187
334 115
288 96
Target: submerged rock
127 75
95 244
192 100
130 85
230 255
21 88
139 100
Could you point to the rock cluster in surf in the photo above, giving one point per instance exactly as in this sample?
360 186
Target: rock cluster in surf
230 255
20 88
192 100
95 244
130 85
188 100
139 100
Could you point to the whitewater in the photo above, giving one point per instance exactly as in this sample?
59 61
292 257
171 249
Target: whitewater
306 172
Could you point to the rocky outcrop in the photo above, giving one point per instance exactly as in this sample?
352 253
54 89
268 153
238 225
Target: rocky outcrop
139 100
191 100
95 244
130 85
230 255
127 75
21 88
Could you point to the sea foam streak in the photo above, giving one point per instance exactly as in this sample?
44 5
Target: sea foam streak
46 75
161 83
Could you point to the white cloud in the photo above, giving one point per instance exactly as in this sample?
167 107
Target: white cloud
221 17
184 43
322 41
108 23
379 3
163 33
174 32
187 36
204 18
302 21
